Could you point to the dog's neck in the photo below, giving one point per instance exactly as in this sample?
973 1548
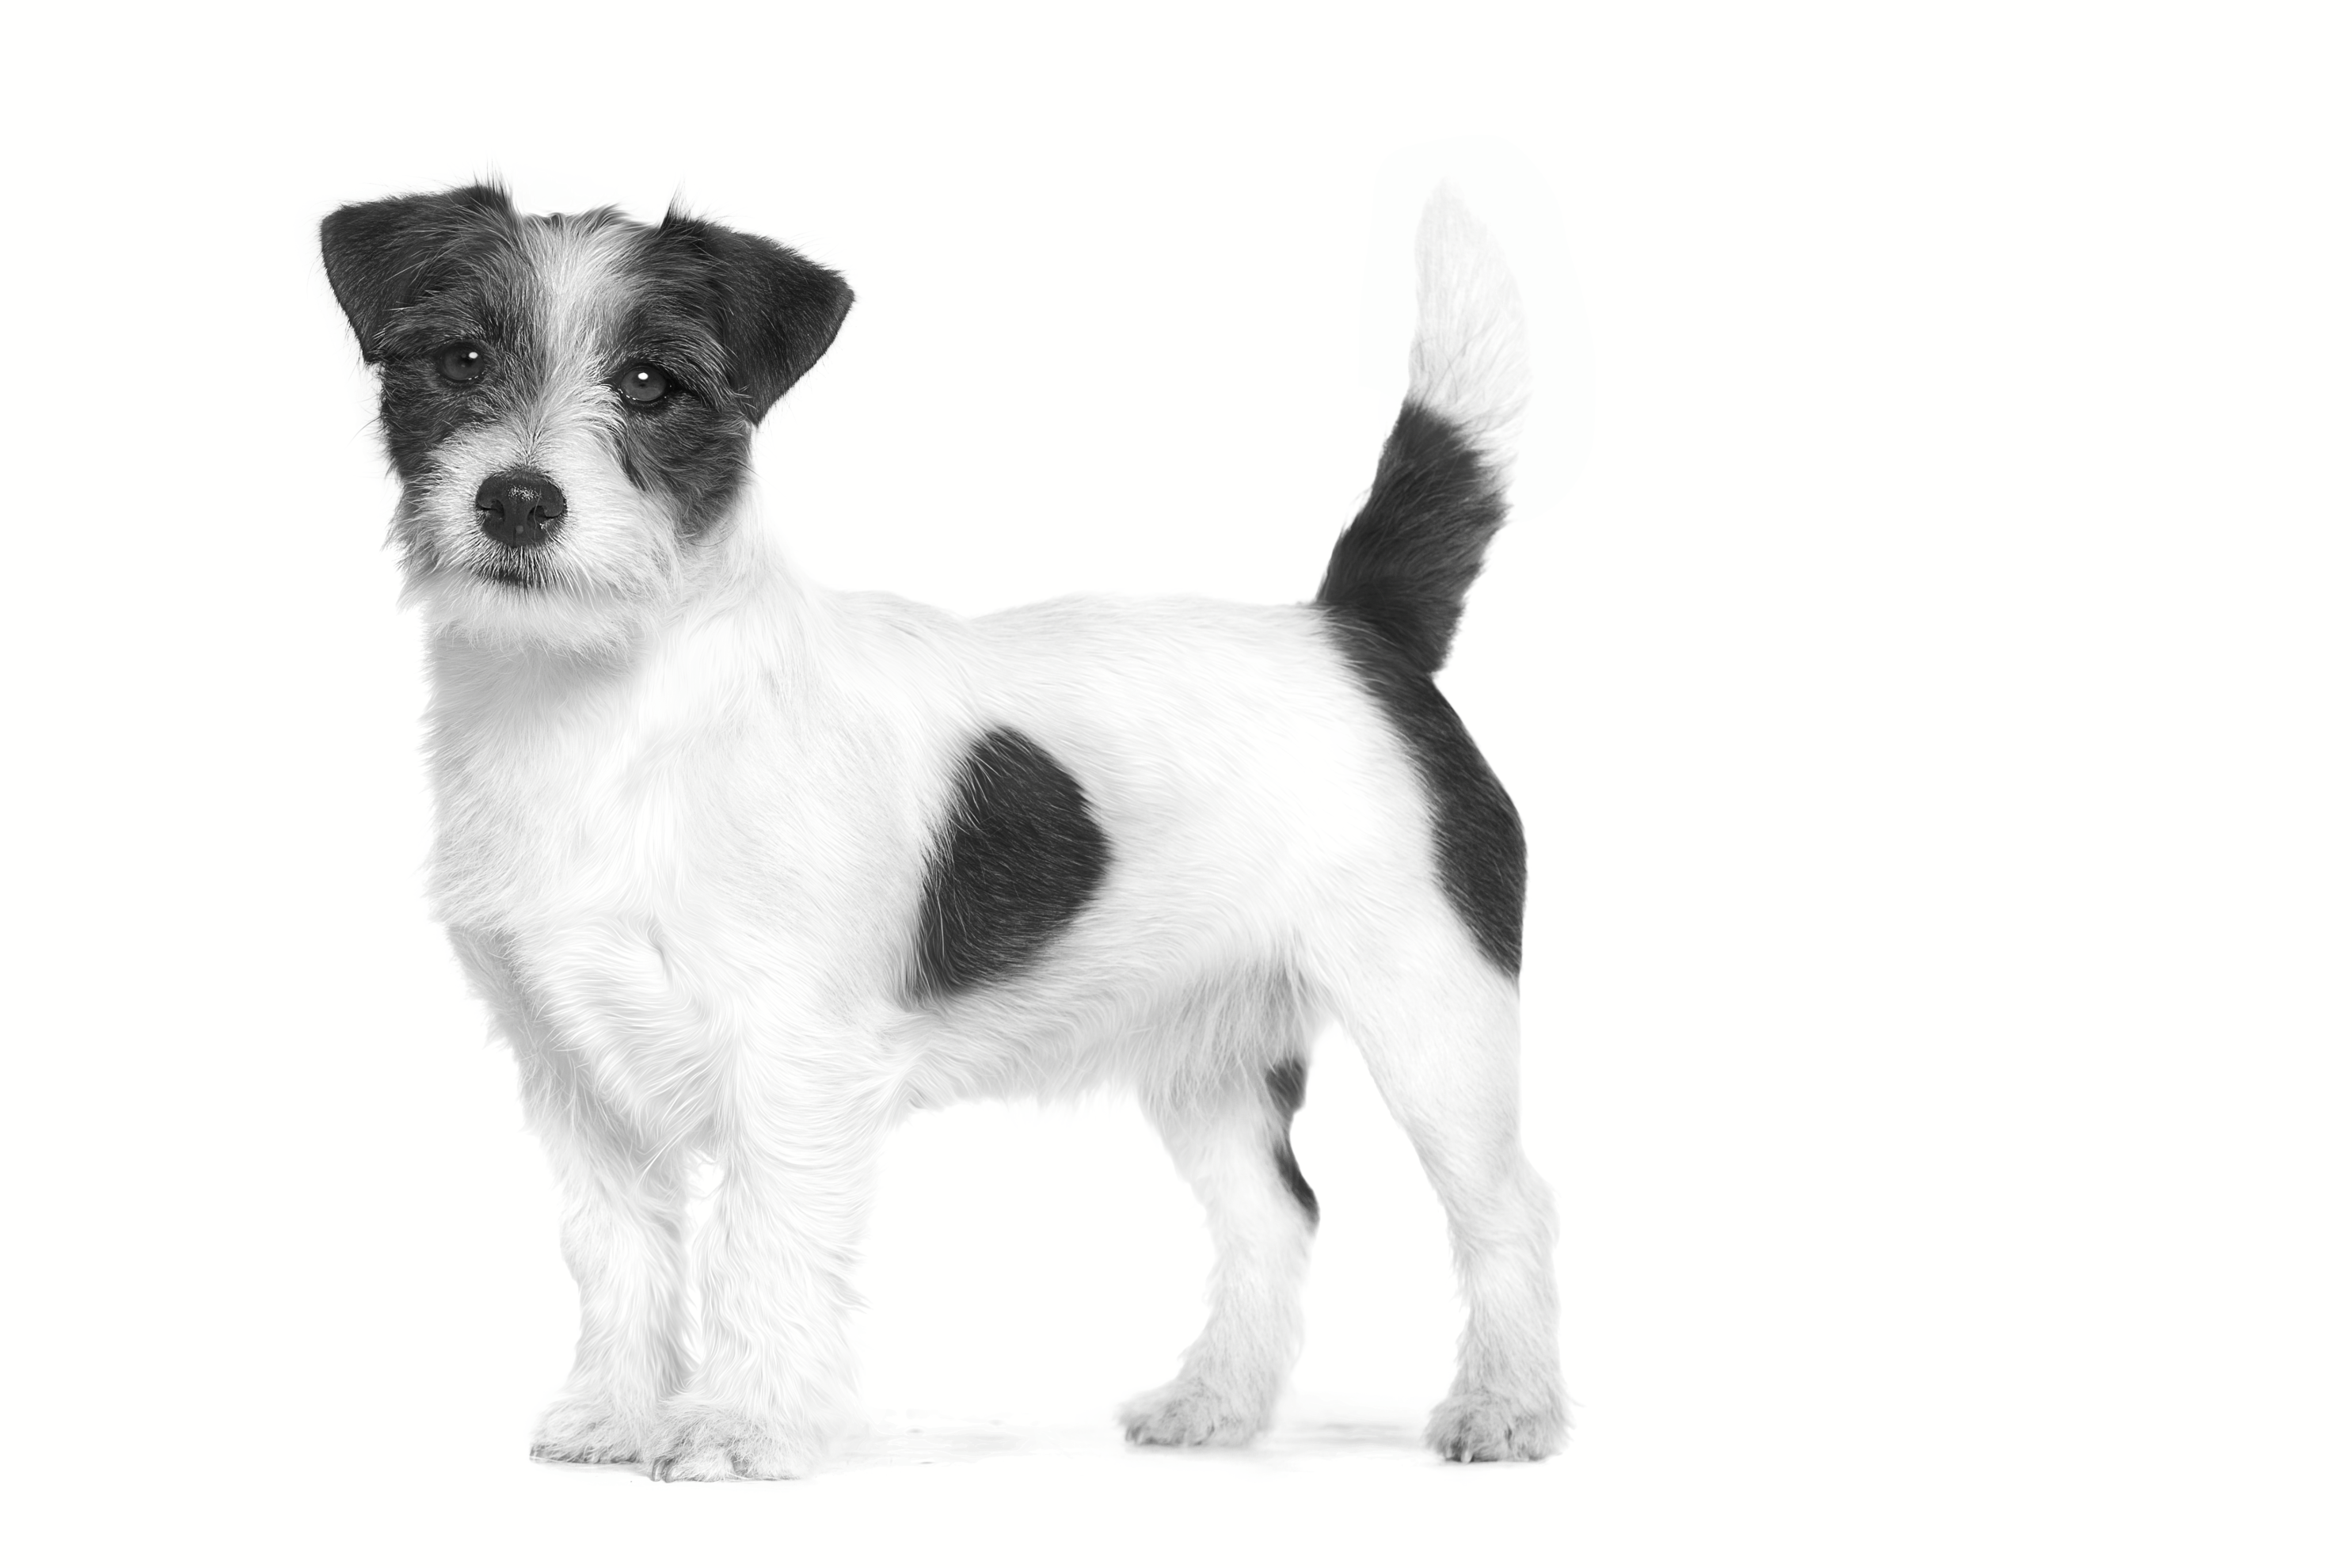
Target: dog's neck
739 612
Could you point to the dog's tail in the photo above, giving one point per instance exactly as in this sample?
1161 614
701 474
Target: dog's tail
1403 567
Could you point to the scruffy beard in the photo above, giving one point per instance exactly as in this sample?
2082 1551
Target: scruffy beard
618 566
547 598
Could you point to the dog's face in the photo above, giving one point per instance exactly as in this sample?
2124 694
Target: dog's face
568 401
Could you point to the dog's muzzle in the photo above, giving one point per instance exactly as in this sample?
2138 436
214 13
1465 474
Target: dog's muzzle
518 508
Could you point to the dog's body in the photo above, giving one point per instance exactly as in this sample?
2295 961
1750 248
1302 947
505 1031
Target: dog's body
746 870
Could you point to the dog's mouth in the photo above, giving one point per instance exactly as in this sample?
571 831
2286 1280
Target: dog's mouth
429 551
518 574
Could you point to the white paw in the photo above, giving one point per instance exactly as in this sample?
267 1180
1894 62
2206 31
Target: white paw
706 1443
577 1430
1190 1413
1483 1425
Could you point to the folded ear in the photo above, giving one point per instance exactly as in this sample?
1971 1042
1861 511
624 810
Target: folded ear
384 255
774 310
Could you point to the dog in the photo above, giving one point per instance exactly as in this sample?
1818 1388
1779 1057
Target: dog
746 870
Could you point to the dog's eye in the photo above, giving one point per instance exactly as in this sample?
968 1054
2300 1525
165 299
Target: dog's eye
462 364
644 386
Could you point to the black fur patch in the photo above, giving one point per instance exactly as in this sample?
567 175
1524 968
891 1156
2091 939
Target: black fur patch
1286 1084
415 274
734 320
731 319
1403 566
1019 856
385 256
773 312
1482 852
1393 597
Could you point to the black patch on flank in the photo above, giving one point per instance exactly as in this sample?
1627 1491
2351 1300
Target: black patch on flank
1285 1085
1393 597
1017 857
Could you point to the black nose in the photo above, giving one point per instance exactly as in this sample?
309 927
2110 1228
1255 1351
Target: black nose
518 508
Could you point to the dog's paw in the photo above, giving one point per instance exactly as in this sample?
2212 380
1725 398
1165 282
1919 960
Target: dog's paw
1484 1425
580 1431
703 1443
1192 1413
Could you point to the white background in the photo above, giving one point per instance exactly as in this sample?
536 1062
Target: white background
1919 653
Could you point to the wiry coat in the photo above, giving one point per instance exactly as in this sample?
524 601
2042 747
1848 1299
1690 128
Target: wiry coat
745 868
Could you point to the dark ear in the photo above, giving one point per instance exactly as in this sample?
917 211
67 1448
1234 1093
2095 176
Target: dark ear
384 255
774 310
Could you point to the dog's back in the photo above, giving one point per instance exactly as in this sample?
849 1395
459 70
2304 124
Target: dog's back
1269 780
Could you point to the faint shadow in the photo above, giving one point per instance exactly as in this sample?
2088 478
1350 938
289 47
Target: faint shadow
931 1441
947 1443
1340 1437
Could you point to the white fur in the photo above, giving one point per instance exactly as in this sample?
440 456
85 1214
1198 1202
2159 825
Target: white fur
685 802
1470 348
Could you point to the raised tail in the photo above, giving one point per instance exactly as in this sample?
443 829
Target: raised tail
1402 569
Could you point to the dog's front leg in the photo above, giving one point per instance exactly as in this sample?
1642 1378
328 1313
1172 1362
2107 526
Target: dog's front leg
624 1220
624 1193
774 1389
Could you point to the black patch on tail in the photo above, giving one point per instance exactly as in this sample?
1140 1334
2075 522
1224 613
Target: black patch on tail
1285 1085
1403 566
1393 597
1019 856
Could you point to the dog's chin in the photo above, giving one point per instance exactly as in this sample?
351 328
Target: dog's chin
513 574
522 605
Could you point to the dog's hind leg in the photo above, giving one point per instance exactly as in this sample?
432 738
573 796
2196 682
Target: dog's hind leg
1229 1131
1438 1025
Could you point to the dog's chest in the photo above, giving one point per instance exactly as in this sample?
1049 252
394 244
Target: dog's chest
597 873
561 820
644 862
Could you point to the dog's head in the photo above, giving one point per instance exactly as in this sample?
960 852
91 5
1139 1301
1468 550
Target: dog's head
568 401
